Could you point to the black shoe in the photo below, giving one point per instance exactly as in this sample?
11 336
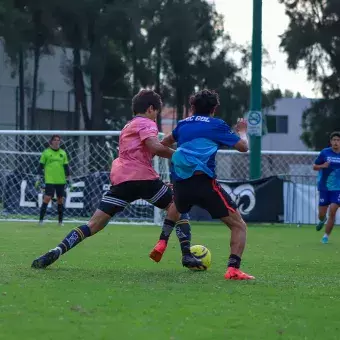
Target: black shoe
191 262
46 260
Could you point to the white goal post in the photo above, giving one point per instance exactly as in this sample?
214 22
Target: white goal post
90 156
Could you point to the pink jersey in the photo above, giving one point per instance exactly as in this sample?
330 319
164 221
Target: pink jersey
135 160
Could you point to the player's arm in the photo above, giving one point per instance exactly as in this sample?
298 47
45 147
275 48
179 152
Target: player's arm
66 166
157 148
226 137
40 170
243 144
168 140
320 162
42 163
149 136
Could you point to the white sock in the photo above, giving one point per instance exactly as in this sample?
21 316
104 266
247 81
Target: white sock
326 235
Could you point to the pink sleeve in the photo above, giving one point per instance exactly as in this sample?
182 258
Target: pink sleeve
147 129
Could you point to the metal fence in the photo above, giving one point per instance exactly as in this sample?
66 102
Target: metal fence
233 165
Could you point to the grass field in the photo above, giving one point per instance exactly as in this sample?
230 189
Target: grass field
107 288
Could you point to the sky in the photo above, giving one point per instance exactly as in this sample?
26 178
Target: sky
238 23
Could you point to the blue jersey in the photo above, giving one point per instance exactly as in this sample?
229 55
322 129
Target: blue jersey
198 139
329 178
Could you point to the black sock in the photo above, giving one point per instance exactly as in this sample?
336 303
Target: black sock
60 212
168 227
73 238
234 261
183 232
43 211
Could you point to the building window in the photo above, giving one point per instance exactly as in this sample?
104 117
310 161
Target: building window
277 124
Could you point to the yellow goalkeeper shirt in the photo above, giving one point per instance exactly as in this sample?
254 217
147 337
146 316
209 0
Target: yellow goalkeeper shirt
53 162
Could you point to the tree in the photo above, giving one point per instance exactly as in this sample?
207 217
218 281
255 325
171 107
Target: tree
313 38
319 121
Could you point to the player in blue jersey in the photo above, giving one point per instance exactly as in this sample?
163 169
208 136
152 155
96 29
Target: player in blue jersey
193 169
328 165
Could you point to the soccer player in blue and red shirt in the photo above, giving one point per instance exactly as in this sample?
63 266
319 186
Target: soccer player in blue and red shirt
193 169
328 165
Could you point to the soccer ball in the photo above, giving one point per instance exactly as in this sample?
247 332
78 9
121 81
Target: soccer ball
202 253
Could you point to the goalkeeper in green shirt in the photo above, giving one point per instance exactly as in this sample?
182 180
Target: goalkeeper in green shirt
54 167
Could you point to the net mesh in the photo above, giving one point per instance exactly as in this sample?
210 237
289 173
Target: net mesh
90 158
231 165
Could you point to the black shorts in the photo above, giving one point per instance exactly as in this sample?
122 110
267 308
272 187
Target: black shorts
59 189
204 192
119 196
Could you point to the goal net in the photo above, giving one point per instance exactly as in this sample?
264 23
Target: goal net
90 156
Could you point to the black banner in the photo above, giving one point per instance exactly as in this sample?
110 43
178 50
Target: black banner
22 198
257 201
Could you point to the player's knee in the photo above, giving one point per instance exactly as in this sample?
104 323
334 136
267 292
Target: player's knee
98 221
240 225
235 221
332 211
47 199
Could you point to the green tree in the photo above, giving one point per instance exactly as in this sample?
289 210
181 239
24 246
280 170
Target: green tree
313 39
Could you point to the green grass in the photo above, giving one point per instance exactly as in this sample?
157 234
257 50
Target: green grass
107 288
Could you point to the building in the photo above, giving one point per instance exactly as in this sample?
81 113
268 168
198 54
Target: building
284 125
283 122
55 100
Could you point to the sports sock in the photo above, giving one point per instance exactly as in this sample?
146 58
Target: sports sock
326 235
183 232
43 211
60 212
167 229
73 238
234 261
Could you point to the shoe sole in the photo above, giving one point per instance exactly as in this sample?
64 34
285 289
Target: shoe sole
240 279
155 255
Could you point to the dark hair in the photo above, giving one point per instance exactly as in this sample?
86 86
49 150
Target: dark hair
334 134
54 136
144 99
204 102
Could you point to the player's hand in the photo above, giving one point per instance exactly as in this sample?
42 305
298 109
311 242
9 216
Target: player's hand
325 165
37 184
69 185
241 125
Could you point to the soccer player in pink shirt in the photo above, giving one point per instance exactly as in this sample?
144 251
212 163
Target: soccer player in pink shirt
132 177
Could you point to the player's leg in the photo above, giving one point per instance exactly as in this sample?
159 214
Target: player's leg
111 203
161 196
323 206
49 193
183 233
60 190
333 208
184 199
220 205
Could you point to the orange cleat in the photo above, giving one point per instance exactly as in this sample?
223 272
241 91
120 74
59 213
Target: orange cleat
236 274
158 251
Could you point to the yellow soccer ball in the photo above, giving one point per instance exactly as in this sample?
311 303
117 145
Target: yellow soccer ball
202 253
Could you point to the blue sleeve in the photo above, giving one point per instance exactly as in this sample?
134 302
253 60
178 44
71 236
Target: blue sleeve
224 135
175 133
320 159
